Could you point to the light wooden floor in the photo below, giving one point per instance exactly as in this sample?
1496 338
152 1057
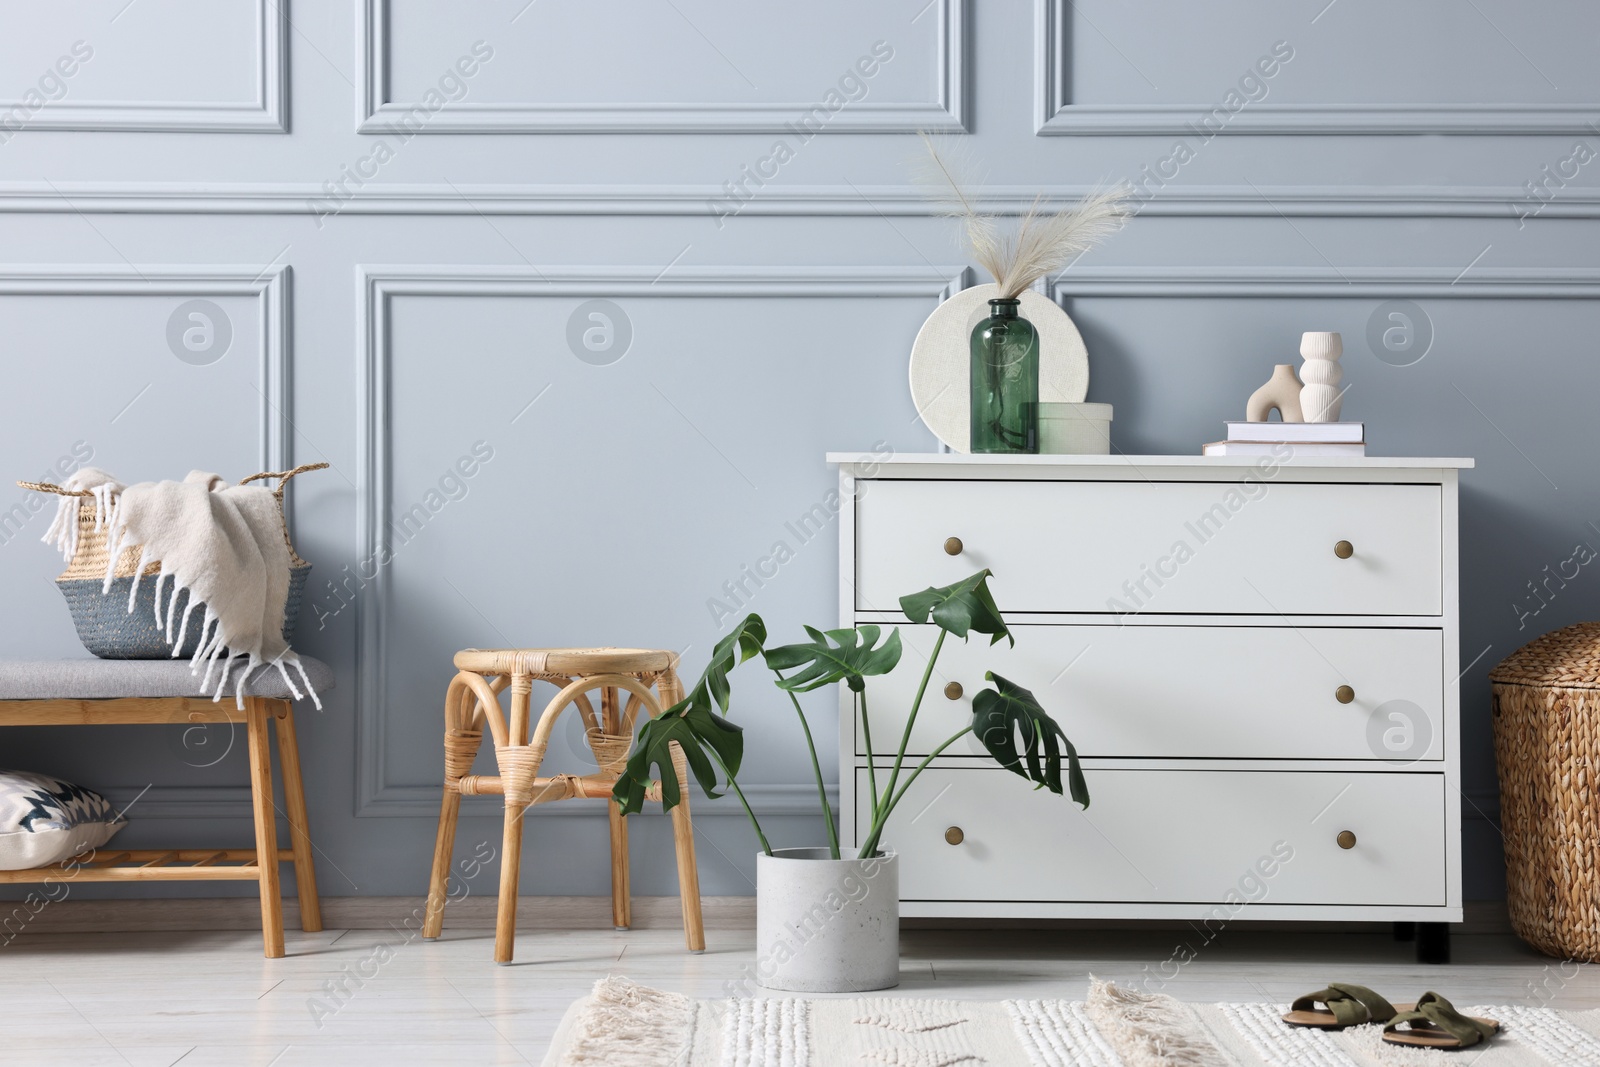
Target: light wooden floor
158 998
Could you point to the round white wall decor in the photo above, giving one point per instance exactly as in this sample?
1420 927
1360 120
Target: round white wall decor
941 360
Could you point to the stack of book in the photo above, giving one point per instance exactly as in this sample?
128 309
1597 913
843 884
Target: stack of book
1283 439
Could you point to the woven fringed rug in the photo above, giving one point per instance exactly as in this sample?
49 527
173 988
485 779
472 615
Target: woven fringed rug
623 1024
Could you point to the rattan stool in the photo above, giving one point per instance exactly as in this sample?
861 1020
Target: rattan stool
473 699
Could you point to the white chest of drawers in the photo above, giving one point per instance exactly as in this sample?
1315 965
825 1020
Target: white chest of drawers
1257 660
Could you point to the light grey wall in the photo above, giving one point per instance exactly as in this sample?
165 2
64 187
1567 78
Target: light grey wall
396 298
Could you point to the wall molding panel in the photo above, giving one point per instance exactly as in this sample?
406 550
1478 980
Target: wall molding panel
821 201
271 286
947 111
1509 283
1056 115
268 112
377 285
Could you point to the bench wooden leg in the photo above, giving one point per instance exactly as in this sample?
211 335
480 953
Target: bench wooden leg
294 798
256 714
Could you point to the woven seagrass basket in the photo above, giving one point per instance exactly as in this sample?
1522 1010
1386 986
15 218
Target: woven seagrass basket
1547 744
105 625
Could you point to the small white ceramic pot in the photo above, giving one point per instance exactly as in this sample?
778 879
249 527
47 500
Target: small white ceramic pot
1074 429
825 925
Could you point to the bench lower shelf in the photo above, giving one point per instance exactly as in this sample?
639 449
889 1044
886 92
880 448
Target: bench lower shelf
153 865
193 864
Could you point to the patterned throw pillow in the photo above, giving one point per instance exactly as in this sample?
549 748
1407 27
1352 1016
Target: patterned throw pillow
44 820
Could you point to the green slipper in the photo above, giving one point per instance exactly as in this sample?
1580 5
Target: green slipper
1348 1005
1435 1023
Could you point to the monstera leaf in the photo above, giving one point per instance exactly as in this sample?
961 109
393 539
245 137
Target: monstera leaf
693 722
1003 715
835 656
745 641
696 729
960 608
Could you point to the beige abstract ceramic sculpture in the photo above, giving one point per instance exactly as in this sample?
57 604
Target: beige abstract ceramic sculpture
1319 399
1282 391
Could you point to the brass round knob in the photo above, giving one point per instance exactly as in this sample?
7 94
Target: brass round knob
955 836
1344 549
1346 839
954 690
1344 694
952 546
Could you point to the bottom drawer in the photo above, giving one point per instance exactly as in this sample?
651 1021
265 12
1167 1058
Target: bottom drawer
1158 836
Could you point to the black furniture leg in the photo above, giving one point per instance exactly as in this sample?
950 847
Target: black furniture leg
1405 931
1433 942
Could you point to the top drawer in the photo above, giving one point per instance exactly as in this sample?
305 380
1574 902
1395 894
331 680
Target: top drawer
1219 548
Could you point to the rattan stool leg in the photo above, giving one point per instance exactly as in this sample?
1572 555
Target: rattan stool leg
621 895
505 919
694 930
444 846
461 740
518 778
266 826
294 799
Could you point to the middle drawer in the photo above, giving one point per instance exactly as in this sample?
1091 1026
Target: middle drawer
1226 692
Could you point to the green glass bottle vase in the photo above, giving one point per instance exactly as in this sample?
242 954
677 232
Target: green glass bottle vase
1005 382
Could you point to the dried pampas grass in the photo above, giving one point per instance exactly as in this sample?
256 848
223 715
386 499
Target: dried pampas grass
1042 244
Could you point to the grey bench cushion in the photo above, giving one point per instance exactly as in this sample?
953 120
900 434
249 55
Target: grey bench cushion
97 679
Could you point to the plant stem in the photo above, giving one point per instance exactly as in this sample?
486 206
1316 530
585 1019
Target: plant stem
905 738
866 738
740 794
871 844
965 730
816 769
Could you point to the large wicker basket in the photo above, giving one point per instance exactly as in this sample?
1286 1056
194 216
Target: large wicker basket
105 625
1547 745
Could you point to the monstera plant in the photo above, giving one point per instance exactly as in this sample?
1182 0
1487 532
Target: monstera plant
827 923
1006 719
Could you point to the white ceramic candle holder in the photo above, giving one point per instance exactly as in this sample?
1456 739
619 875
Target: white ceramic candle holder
1320 397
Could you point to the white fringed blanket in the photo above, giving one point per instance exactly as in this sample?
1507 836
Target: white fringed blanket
223 544
623 1024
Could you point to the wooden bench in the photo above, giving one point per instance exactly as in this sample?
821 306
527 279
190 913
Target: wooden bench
94 692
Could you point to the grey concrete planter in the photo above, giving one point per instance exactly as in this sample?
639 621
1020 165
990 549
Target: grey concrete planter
825 925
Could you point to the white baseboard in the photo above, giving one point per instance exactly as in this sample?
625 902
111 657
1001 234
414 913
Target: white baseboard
551 913
1482 917
371 913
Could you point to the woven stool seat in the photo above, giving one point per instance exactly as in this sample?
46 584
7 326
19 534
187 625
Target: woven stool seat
629 681
567 661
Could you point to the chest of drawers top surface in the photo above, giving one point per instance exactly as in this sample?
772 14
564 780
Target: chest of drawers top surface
952 464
